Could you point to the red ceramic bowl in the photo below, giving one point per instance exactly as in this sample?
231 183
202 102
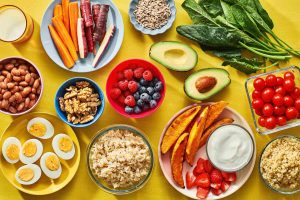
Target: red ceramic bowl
130 64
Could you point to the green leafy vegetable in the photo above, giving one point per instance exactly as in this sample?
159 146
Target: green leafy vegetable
248 66
213 7
263 13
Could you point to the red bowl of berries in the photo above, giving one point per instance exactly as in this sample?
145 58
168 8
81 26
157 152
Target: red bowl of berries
135 88
274 98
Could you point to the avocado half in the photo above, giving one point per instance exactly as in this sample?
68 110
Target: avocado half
222 80
174 55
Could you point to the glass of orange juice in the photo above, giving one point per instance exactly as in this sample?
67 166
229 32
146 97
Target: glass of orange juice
16 25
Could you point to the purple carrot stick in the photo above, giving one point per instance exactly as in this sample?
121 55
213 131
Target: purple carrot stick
100 26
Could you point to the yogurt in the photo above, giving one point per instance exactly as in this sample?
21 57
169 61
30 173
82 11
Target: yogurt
230 148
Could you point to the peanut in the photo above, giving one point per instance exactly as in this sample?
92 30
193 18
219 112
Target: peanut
27 78
31 103
2 78
31 81
32 96
12 99
4 72
15 72
27 101
4 104
21 106
36 83
3 85
22 72
24 67
18 97
9 66
12 109
7 95
10 85
23 84
17 78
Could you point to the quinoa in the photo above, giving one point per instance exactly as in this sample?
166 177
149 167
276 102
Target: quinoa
120 158
280 164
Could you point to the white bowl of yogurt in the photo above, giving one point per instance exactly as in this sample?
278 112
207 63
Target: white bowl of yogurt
230 148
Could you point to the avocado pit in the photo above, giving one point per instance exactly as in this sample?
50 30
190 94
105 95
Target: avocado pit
205 83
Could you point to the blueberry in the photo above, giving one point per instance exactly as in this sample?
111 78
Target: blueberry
128 109
142 89
137 110
155 80
156 96
158 86
136 96
153 104
143 82
152 84
145 97
140 103
146 107
150 90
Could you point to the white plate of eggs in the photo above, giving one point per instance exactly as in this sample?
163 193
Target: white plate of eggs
39 153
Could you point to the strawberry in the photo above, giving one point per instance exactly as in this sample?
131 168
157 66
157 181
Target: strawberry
123 85
128 74
225 185
208 166
147 75
216 192
216 176
202 193
115 93
190 180
215 185
229 176
132 86
199 169
203 180
120 76
138 72
130 101
121 99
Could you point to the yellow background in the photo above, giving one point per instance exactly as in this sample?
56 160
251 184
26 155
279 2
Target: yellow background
285 15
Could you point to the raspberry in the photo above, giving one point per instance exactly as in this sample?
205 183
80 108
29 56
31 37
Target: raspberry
123 85
115 93
132 86
120 76
147 75
130 101
138 72
128 74
121 99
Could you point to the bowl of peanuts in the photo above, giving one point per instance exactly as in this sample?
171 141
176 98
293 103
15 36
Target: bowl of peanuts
21 86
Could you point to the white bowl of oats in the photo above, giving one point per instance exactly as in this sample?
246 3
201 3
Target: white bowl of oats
120 159
279 164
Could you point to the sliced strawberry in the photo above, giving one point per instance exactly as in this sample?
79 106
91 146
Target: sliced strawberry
216 192
199 169
203 180
225 185
216 176
190 180
229 176
215 185
208 166
202 193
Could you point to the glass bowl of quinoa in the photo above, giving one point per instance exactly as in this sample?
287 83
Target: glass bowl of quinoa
279 165
120 159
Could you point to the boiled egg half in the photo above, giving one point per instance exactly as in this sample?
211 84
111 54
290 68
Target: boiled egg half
63 146
40 128
11 150
50 165
28 174
31 151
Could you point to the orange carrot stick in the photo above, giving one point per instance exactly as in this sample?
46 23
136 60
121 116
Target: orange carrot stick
65 11
73 14
58 11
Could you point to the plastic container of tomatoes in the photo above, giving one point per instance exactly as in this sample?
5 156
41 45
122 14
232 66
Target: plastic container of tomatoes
274 99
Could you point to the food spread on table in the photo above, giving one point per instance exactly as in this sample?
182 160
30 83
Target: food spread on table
206 151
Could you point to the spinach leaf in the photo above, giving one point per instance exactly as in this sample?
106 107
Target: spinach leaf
213 7
210 36
197 13
248 66
227 13
264 14
227 53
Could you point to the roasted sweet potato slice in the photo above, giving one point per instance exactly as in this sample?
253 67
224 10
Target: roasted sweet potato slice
177 128
215 111
212 128
195 136
177 159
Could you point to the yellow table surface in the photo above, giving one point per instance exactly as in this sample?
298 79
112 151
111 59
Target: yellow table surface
285 15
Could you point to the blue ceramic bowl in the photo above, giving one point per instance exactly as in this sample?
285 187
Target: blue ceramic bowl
62 90
146 31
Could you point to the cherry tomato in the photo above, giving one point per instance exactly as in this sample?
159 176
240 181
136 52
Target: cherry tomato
295 93
279 81
288 101
280 90
281 120
278 100
271 80
270 122
256 94
267 94
289 85
259 112
259 84
297 104
262 121
268 110
279 110
288 75
291 113
257 103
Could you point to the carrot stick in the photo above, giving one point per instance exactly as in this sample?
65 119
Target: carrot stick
73 14
100 26
85 7
65 11
58 11
62 49
82 42
65 36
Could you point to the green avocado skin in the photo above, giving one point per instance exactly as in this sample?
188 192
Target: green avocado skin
222 82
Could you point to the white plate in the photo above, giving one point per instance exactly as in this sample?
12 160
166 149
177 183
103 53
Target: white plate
242 175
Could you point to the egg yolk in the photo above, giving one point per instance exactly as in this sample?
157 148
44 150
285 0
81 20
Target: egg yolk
26 174
52 163
65 144
12 151
29 149
38 129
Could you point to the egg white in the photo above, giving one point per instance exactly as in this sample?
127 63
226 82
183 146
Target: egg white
51 174
39 151
6 143
49 127
36 177
55 145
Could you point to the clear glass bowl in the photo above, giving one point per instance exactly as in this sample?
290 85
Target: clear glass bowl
260 172
249 89
101 183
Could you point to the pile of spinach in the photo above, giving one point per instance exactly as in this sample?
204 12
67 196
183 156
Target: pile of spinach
227 27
